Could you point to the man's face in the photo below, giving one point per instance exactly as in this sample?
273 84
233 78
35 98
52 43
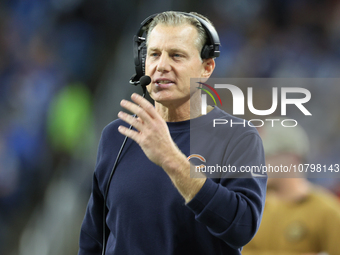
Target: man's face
172 59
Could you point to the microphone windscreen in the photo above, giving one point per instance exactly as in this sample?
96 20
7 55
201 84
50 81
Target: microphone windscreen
145 80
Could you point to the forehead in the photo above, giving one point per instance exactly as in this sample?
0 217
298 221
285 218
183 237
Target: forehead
183 36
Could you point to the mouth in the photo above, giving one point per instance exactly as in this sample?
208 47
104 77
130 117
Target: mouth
163 83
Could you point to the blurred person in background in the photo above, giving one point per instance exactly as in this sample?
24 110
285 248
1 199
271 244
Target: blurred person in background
299 217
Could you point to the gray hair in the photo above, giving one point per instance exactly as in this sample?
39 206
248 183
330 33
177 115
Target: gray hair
172 18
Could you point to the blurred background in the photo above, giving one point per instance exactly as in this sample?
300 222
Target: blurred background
65 66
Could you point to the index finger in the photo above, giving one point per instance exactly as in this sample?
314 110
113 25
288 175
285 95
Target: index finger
136 109
145 105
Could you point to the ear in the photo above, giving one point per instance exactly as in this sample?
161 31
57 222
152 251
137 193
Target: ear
209 66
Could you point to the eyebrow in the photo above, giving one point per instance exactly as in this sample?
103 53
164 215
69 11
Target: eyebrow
171 50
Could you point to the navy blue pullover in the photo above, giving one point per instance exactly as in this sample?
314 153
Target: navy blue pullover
146 213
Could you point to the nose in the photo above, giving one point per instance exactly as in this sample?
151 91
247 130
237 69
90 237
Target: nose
163 64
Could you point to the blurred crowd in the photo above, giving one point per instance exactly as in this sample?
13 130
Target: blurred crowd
53 57
48 53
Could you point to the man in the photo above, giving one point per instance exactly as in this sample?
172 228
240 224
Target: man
154 206
299 217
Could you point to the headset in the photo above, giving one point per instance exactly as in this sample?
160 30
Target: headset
209 50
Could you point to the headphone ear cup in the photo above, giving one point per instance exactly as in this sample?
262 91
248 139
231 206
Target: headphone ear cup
143 52
139 53
140 56
206 52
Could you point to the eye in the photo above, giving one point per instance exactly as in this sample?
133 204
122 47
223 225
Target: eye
154 54
177 55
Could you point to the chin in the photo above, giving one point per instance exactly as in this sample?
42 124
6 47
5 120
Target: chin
168 100
162 95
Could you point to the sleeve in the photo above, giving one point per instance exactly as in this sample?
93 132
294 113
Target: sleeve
232 208
91 236
91 233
